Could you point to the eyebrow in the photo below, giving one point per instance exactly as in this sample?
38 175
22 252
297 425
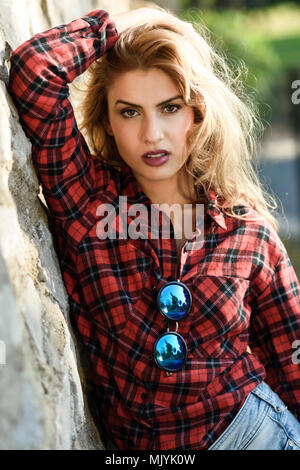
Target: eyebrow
159 104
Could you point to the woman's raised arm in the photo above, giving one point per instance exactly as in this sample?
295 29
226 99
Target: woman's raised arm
41 69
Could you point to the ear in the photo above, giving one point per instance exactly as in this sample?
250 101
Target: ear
108 128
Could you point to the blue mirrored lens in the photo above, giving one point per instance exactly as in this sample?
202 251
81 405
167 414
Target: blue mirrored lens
174 301
170 351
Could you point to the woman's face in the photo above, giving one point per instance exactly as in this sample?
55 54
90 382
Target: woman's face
147 114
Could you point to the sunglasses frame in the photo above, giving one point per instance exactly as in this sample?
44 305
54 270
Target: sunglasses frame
167 369
177 283
174 333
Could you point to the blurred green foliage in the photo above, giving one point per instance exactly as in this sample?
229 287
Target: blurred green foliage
266 41
287 49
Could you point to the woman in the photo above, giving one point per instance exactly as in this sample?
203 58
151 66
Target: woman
190 335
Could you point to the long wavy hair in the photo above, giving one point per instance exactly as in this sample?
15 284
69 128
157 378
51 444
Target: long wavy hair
227 128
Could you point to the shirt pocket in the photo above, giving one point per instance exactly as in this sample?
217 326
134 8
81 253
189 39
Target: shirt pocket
219 321
189 385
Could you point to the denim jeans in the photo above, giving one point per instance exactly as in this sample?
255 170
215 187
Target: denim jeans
262 423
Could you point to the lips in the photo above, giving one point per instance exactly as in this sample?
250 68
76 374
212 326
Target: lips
156 157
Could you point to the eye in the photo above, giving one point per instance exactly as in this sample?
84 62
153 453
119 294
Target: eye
172 108
128 113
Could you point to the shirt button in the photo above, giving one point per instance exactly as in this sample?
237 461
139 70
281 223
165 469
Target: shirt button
290 443
144 396
280 408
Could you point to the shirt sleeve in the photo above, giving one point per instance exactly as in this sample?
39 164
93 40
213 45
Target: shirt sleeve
275 331
41 69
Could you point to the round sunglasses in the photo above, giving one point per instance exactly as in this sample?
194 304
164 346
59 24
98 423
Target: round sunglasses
174 301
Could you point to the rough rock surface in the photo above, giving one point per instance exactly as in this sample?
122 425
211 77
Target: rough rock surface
44 392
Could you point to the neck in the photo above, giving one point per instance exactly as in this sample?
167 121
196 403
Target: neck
174 191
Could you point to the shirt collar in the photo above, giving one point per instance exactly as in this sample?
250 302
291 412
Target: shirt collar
133 190
213 210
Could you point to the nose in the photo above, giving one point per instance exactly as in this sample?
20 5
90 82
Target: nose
151 130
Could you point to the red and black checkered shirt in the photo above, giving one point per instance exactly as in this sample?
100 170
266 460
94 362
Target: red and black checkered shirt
244 289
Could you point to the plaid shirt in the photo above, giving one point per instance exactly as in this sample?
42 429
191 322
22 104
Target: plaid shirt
245 291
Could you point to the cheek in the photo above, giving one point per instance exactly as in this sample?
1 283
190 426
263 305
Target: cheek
186 127
186 120
125 138
120 131
190 121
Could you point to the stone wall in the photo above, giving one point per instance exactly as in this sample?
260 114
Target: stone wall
44 393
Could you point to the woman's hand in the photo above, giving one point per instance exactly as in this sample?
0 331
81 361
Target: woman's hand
137 17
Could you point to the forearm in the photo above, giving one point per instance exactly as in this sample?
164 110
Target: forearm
42 67
275 328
